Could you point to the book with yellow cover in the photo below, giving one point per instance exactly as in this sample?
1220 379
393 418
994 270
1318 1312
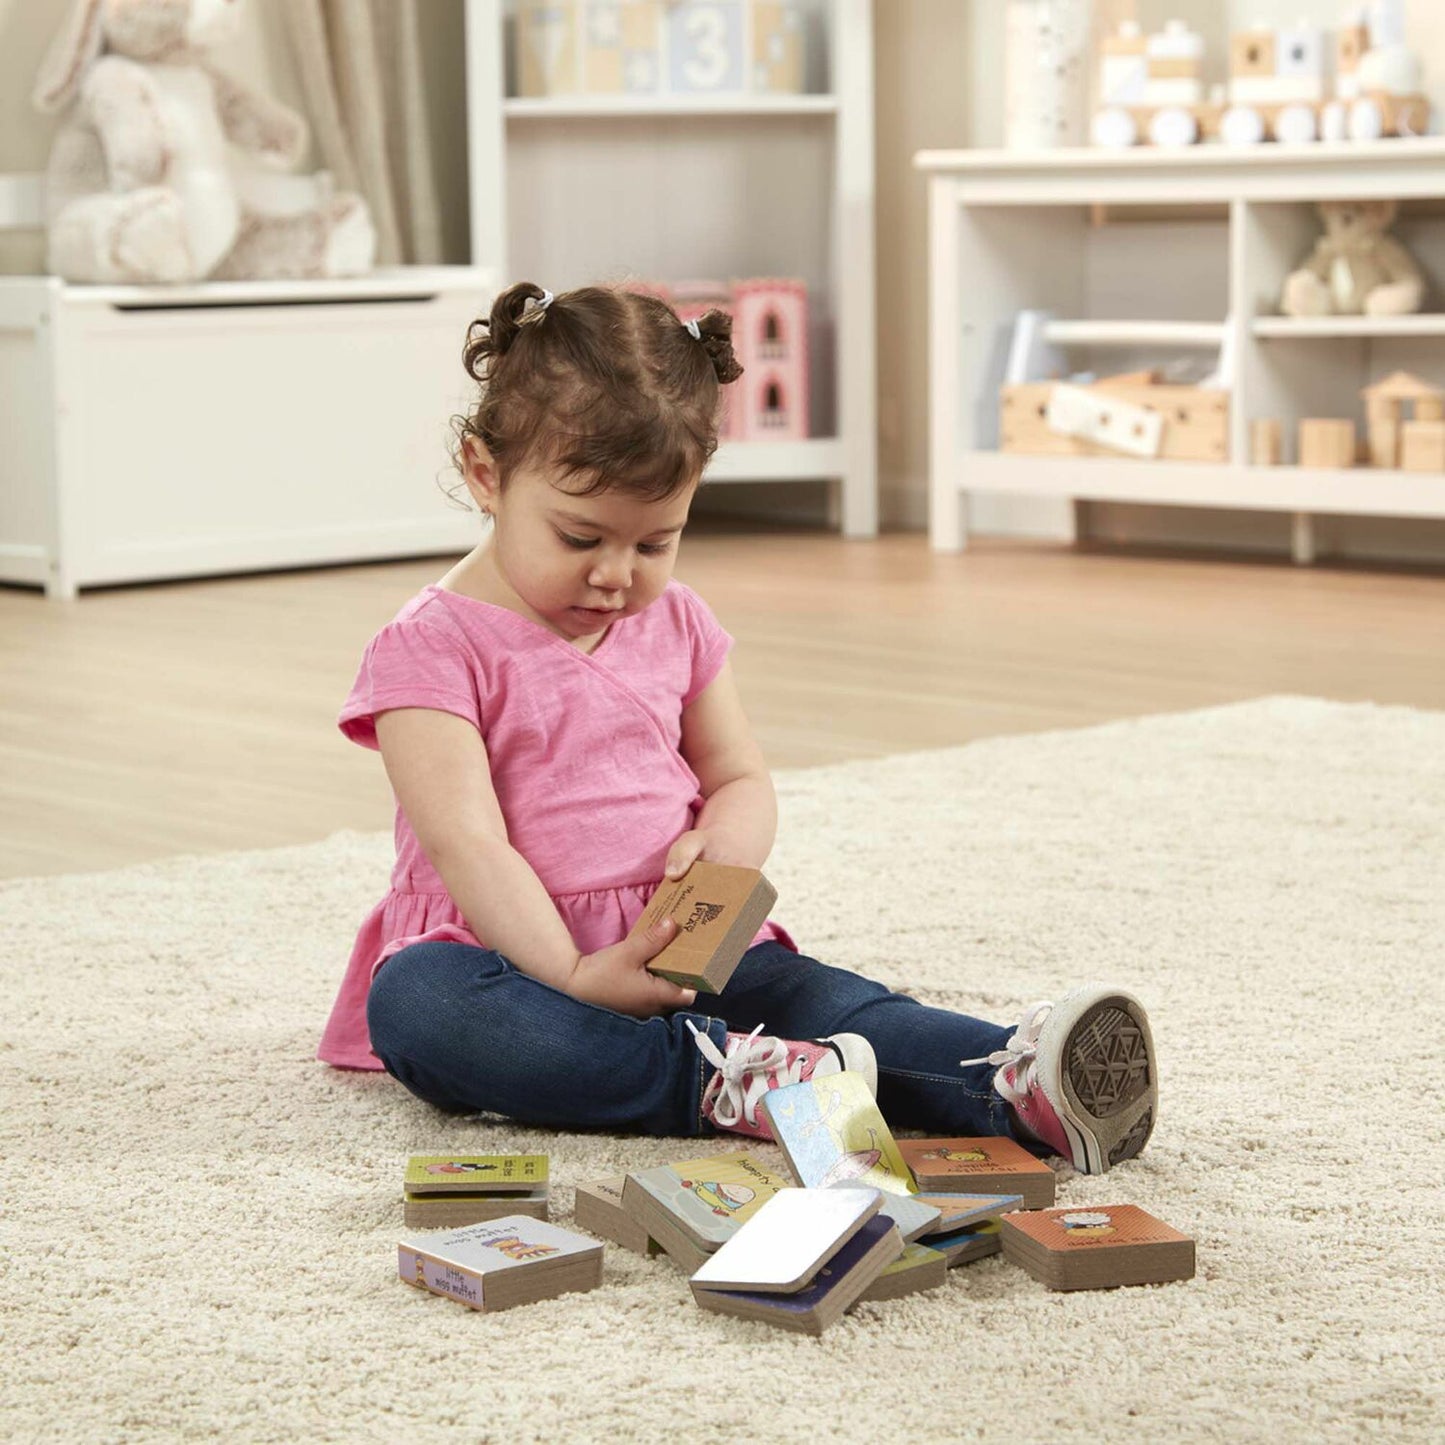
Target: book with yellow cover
475 1173
692 1207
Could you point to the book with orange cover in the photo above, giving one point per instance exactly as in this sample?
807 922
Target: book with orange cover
986 1165
1097 1247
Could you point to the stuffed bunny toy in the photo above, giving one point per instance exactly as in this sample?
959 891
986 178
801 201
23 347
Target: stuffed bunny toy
166 169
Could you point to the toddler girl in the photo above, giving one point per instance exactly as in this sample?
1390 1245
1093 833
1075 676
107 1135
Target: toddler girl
561 727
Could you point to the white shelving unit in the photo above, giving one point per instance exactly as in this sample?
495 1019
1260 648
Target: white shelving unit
575 189
1204 238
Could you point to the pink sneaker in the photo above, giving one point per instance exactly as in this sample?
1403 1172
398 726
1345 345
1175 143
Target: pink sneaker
754 1065
1081 1077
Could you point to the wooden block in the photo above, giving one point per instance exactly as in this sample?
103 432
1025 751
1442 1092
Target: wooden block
547 48
1266 441
777 46
1326 442
1351 42
620 42
1384 442
1422 446
1430 408
704 46
1174 67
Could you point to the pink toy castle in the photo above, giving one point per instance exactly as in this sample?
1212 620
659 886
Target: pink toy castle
769 402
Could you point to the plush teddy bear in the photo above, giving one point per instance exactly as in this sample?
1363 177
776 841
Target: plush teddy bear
166 169
1355 268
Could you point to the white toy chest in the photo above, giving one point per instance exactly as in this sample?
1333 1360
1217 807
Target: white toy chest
154 432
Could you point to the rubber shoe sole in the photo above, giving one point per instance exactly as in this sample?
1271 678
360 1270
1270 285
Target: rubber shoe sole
1102 1078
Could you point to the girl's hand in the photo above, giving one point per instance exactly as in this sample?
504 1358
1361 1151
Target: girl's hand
702 843
617 977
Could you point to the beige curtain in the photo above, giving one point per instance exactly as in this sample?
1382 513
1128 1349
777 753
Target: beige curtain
360 64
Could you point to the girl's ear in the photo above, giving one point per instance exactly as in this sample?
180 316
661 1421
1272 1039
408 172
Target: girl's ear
479 471
70 56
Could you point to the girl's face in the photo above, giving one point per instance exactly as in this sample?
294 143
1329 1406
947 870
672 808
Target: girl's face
575 564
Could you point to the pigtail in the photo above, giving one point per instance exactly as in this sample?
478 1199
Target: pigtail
490 337
715 332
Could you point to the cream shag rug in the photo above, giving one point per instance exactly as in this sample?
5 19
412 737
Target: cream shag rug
198 1219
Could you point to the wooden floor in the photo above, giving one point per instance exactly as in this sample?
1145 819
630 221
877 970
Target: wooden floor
191 717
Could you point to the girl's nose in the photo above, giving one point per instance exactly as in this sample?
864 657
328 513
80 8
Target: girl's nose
611 572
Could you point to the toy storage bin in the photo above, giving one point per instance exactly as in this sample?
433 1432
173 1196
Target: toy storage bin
169 432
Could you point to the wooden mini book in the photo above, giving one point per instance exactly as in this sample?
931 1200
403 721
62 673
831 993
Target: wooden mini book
447 1191
502 1263
718 910
805 1258
982 1165
1097 1248
598 1209
784 1245
918 1268
693 1207
831 1132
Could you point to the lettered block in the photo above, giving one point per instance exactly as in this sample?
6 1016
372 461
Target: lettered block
705 46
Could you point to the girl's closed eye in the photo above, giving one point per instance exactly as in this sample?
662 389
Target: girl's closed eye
581 543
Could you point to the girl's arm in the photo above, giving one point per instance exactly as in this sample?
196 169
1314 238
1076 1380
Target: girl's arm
438 767
739 819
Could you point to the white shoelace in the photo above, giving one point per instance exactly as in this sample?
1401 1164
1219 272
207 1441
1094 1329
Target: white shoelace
743 1074
1021 1050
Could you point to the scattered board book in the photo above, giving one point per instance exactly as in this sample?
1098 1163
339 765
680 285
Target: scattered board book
982 1165
598 1210
447 1191
694 1207
832 1133
501 1263
801 1260
718 910
1098 1247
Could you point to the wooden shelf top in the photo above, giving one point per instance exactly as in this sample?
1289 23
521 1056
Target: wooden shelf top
623 107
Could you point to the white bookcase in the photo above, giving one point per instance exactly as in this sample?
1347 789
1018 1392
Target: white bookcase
574 189
1144 255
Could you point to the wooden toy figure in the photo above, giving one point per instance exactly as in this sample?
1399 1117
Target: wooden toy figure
770 339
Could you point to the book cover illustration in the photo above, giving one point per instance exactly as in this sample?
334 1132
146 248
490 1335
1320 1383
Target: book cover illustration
711 1197
475 1173
1112 1226
831 1130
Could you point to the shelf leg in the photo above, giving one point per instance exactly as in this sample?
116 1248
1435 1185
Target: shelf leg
1302 538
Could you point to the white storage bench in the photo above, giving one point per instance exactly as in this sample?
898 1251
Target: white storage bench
154 432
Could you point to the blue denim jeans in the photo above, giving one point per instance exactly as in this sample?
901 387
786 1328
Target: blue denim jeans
466 1031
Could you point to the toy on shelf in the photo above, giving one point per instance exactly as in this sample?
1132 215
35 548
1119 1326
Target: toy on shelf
1326 442
657 47
1279 87
1416 444
1043 411
1355 267
1266 441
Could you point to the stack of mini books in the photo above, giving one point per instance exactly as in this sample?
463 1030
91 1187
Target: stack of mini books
982 1165
598 1209
445 1191
501 1263
694 1207
1097 1248
833 1135
804 1258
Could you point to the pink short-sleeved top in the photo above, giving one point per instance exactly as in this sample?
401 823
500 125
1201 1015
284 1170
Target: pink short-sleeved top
585 759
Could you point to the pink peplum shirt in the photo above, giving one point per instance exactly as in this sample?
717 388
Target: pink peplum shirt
585 759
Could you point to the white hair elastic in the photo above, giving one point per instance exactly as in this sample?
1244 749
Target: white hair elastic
544 300
694 330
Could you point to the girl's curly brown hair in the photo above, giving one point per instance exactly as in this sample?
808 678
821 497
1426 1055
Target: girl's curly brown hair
604 383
